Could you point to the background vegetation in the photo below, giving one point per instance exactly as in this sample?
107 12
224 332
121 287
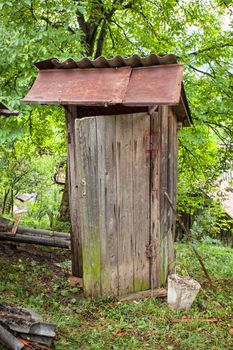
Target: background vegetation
41 283
32 146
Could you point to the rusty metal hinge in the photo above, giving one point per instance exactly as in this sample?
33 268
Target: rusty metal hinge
150 250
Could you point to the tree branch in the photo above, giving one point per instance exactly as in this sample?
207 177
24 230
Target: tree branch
89 27
100 39
200 71
208 49
126 37
56 25
112 37
103 31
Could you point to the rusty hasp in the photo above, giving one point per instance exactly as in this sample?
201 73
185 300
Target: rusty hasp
26 328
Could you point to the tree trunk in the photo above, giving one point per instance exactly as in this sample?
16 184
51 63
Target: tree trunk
64 207
6 192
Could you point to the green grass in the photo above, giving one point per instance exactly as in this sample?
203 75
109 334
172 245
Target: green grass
144 324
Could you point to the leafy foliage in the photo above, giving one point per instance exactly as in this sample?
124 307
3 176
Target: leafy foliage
198 32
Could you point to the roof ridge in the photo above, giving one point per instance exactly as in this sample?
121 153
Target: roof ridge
103 62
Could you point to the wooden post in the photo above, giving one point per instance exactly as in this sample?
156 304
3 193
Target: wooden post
171 188
76 243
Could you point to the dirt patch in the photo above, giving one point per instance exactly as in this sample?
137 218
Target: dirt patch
57 259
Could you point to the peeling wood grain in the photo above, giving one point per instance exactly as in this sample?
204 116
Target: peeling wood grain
106 136
86 149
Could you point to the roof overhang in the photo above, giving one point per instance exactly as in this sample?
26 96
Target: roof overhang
112 90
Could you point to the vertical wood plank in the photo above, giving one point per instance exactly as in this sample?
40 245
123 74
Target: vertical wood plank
155 136
174 194
106 134
170 189
163 112
141 200
76 242
175 170
124 135
87 148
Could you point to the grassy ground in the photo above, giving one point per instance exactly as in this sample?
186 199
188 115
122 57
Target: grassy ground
30 279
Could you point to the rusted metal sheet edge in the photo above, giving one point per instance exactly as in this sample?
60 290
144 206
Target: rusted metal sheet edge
113 69
102 62
99 104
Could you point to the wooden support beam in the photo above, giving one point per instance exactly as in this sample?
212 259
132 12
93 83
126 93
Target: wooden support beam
76 241
157 293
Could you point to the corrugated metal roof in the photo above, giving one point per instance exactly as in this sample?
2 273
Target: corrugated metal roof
143 86
122 83
6 111
102 62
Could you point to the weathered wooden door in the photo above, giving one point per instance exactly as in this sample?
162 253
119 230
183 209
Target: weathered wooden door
120 168
113 159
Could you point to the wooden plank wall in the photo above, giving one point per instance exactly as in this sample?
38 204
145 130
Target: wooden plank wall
114 192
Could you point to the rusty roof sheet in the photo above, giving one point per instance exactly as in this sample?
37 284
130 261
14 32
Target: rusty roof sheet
6 111
121 83
144 86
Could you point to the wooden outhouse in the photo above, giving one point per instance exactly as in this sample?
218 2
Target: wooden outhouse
122 118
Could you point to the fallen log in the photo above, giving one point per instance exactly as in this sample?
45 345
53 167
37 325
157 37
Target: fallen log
40 232
53 241
7 225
